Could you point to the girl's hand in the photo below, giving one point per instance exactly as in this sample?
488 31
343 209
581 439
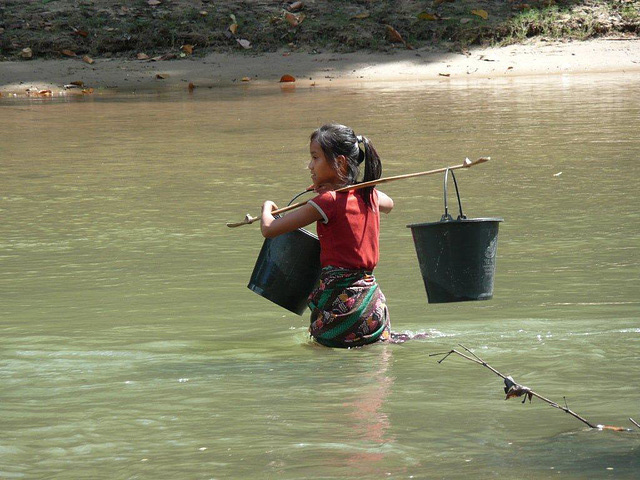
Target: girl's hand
268 206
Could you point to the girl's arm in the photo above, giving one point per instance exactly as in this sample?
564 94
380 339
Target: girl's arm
385 202
272 227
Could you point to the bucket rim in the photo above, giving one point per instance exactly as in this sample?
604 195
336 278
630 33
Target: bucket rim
460 220
307 232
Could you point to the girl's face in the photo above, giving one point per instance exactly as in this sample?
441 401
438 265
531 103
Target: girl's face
322 172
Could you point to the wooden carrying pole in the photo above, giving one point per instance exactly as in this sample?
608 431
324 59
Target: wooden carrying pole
248 219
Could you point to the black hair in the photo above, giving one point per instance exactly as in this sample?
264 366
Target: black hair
336 140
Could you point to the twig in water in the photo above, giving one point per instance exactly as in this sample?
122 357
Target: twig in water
513 389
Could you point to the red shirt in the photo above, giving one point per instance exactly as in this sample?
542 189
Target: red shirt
349 230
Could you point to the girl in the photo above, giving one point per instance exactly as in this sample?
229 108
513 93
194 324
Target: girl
347 307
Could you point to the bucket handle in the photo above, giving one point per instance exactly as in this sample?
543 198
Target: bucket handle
446 217
310 189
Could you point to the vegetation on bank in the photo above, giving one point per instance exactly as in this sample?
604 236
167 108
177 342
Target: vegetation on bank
54 28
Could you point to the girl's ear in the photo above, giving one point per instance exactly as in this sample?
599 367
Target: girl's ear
341 161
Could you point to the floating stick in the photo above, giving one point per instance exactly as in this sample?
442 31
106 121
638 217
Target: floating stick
513 389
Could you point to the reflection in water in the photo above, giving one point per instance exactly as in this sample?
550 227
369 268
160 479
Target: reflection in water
370 422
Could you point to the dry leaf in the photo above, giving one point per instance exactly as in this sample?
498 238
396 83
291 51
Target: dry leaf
295 6
68 53
480 13
393 35
293 19
45 93
203 13
246 44
82 33
88 59
444 74
287 78
233 28
153 3
191 86
188 49
361 16
77 83
142 56
246 79
87 91
26 53
428 16
161 76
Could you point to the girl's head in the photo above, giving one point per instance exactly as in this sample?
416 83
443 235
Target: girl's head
348 154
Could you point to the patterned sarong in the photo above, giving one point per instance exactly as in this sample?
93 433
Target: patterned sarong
348 309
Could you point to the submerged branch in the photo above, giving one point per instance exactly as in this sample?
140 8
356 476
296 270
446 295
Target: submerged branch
513 389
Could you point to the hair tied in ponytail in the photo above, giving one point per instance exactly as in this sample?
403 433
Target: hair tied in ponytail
361 147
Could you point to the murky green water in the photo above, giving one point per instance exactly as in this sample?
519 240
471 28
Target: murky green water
131 347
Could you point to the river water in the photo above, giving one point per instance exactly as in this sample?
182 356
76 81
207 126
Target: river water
130 346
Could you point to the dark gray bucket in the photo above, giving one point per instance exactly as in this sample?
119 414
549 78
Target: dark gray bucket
287 269
457 257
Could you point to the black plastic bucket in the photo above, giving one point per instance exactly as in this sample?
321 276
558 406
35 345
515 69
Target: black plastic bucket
457 257
288 268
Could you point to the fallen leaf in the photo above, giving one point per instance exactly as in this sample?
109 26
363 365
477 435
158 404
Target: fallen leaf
77 83
293 19
87 91
68 53
246 79
464 20
88 59
394 35
287 78
246 44
45 93
81 33
191 86
142 56
233 28
361 16
161 76
480 13
203 13
188 49
295 6
233 18
153 3
26 53
428 16
444 74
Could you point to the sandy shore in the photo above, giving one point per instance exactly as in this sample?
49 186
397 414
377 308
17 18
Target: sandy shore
38 77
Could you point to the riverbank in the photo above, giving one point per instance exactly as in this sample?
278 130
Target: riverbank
75 76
